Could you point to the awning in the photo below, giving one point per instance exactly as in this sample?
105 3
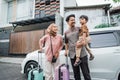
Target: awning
33 21
115 10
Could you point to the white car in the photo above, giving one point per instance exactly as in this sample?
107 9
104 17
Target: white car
105 45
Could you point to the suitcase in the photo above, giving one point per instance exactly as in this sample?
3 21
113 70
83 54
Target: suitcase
37 73
62 72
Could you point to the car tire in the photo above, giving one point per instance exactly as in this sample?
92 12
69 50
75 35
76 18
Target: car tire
29 66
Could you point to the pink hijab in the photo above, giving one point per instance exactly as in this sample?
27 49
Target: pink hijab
50 31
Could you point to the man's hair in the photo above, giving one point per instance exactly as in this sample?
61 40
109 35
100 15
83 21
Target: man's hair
84 16
68 17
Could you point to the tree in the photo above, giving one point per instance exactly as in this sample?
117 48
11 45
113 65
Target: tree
116 1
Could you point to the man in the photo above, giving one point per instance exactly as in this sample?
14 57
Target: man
71 37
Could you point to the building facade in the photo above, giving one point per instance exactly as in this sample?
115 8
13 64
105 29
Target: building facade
10 11
23 23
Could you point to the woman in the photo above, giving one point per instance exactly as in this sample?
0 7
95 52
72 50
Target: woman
53 44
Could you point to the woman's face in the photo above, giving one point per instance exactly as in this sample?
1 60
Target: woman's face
54 28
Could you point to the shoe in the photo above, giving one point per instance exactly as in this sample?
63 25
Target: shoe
91 57
77 63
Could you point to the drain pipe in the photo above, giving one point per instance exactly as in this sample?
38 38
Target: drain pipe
108 15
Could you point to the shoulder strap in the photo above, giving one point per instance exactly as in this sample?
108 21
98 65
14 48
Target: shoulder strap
51 45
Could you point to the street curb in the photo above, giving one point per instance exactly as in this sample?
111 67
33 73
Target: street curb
11 60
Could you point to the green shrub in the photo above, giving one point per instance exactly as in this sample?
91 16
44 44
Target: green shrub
102 25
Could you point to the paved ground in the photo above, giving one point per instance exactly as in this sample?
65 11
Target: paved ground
11 71
10 68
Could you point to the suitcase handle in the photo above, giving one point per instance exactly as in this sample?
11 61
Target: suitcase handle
60 70
39 67
67 62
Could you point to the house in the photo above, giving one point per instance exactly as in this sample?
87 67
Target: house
23 23
97 14
115 16
12 10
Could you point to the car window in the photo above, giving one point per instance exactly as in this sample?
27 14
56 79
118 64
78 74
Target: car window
118 33
103 40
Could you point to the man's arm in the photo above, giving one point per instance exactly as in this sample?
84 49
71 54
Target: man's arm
66 49
66 45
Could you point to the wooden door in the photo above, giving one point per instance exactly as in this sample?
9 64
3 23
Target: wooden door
25 42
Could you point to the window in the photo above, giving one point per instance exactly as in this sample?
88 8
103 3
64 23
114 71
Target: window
21 9
10 11
103 40
47 2
24 9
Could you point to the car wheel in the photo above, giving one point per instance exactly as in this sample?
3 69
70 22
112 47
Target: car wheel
29 66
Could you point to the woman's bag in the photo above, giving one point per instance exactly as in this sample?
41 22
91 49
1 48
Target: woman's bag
54 59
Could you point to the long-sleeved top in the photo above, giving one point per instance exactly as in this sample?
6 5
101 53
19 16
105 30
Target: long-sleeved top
57 44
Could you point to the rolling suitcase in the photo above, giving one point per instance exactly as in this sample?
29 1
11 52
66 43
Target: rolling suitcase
37 73
62 72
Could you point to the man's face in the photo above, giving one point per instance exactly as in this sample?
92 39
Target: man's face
71 21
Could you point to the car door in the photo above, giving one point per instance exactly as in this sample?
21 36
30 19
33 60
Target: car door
106 49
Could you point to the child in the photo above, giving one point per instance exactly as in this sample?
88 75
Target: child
83 35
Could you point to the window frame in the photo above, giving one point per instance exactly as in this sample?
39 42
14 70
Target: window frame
115 35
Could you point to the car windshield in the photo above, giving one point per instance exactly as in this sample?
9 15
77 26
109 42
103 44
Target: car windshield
103 40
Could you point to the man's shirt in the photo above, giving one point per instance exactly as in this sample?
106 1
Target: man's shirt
71 37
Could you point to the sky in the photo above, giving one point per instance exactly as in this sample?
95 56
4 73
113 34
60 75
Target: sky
94 2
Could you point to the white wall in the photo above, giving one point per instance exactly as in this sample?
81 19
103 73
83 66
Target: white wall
96 16
3 13
66 3
62 8
70 3
25 11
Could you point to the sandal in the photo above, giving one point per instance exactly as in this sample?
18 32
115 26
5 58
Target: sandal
91 57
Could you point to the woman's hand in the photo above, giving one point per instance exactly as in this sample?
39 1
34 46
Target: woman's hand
56 55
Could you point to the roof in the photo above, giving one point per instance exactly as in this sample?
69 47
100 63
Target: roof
33 21
89 6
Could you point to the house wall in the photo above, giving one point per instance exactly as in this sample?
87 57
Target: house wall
4 42
96 16
4 23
